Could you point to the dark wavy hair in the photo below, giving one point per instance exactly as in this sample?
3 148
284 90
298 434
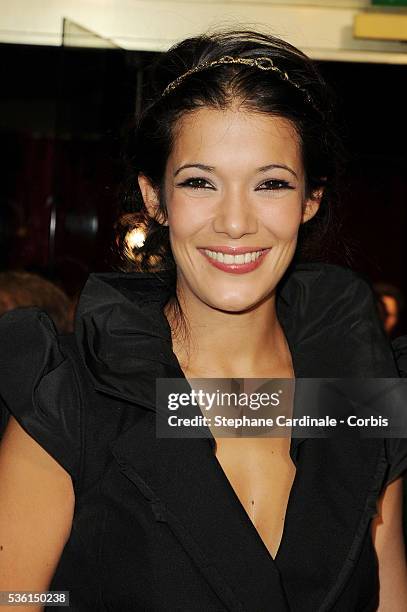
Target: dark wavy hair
305 100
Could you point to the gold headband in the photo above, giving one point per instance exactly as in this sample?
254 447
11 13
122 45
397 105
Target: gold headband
262 63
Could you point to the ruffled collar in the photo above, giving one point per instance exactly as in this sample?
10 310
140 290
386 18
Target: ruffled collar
327 312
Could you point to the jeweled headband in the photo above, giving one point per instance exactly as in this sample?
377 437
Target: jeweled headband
262 63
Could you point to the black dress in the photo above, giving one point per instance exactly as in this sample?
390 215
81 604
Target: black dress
157 525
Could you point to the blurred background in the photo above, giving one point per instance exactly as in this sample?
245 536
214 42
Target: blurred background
72 74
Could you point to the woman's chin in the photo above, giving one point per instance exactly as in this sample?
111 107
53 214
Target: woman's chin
233 304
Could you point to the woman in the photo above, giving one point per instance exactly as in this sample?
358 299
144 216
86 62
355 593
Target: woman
235 157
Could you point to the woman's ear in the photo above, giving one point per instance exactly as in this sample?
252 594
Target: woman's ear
151 199
312 205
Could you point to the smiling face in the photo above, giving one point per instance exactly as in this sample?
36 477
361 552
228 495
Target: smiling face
235 197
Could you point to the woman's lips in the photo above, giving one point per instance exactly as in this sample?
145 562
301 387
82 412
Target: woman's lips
237 260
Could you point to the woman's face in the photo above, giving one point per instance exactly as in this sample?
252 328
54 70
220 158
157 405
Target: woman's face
235 197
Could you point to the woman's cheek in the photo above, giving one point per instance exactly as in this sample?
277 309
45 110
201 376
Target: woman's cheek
284 220
186 218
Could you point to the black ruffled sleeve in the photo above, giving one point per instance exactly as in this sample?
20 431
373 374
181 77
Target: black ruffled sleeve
38 385
397 447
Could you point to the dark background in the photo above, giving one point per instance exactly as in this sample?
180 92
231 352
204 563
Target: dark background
63 115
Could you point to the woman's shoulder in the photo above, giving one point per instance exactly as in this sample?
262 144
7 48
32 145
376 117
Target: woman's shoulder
320 274
331 318
337 291
38 384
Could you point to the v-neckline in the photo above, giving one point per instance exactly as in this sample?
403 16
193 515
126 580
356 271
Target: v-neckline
292 446
229 486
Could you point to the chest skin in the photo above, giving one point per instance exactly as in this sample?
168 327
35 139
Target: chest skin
261 473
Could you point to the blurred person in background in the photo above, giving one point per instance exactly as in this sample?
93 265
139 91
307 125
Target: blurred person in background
19 288
391 304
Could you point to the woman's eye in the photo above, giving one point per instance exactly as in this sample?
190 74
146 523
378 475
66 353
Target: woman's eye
274 184
271 185
196 183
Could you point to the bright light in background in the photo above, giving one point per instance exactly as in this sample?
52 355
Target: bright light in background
135 238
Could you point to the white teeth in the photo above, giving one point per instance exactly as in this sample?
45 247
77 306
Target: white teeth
233 259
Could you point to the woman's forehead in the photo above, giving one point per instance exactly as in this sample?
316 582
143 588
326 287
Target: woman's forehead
222 137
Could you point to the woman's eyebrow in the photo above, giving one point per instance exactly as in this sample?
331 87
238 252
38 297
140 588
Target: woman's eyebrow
272 166
200 166
212 168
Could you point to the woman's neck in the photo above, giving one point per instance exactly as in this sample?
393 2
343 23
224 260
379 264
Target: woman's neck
221 344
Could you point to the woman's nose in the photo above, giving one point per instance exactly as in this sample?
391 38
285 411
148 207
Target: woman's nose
235 216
